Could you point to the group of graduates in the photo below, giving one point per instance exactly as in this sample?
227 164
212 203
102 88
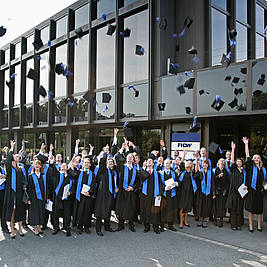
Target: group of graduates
158 191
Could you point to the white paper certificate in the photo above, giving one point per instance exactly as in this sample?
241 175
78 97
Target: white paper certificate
169 182
2 180
85 188
157 201
65 191
242 191
49 205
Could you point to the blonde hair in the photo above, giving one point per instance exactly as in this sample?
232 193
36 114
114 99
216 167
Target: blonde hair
37 162
223 160
253 158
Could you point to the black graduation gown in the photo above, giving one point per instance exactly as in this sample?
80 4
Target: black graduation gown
254 200
221 189
12 197
126 201
148 211
234 200
37 206
105 200
204 203
74 173
169 204
2 195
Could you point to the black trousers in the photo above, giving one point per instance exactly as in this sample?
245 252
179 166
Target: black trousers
236 219
155 226
66 215
3 222
47 213
121 222
99 224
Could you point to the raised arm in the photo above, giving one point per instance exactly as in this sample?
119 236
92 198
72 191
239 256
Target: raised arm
233 152
246 141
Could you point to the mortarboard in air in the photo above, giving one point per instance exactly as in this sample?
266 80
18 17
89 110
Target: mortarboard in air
125 124
261 81
105 109
79 32
42 91
243 70
2 31
106 97
126 33
186 73
162 23
89 96
59 69
9 84
136 92
213 147
257 93
49 43
32 74
217 103
201 92
173 68
196 126
13 75
188 22
189 83
50 94
38 43
181 89
225 60
192 51
233 103
111 29
70 101
238 91
128 132
104 16
235 80
228 78
174 35
188 110
161 106
139 50
232 34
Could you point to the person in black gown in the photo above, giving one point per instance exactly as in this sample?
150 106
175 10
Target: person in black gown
2 196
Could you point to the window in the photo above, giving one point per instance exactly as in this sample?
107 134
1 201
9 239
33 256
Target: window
42 114
6 90
45 35
81 63
82 16
241 42
80 110
218 35
259 46
44 72
241 10
61 57
105 59
136 67
29 83
28 115
60 111
105 111
17 86
15 117
7 55
18 50
61 27
128 2
105 7
219 3
259 19
5 119
30 40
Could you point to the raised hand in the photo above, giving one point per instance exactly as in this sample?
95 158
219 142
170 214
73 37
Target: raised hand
42 147
51 148
77 142
12 143
233 145
115 131
91 148
245 140
162 143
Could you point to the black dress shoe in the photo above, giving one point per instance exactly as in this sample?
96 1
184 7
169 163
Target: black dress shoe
68 233
131 228
12 236
99 233
157 231
162 229
87 231
41 232
120 227
146 230
55 231
187 225
259 229
21 234
5 230
109 229
172 228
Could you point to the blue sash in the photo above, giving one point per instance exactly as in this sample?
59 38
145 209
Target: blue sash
136 167
30 169
110 182
200 160
206 187
57 167
255 174
61 178
2 171
173 193
37 186
79 184
24 171
156 185
13 179
192 180
96 170
245 175
125 178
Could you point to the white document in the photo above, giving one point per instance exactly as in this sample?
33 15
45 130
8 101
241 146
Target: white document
49 205
2 180
242 191
85 188
65 191
157 201
170 182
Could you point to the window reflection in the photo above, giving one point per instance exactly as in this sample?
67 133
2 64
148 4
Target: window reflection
105 111
5 118
7 54
44 72
81 16
61 57
28 115
42 114
30 40
218 36
136 67
60 111
219 3
105 7
29 83
259 46
45 35
105 60
259 19
18 50
81 63
80 109
135 104
241 10
61 27
15 117
128 2
241 42
229 83
6 89
60 144
17 86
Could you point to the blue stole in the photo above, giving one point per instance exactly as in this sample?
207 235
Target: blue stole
200 160
61 178
156 185
245 175
255 174
173 193
96 170
80 166
57 167
206 187
24 171
137 168
2 186
110 181
37 186
79 184
30 169
156 166
192 180
125 178
13 179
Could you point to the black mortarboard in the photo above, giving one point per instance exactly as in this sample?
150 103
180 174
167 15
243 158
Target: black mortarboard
173 68
189 83
233 103
261 81
38 43
232 33
161 106
89 96
257 93
238 91
195 128
126 33
235 80
213 147
139 50
2 31
163 24
243 70
201 92
106 97
32 74
128 132
111 29
9 84
79 32
181 89
192 51
228 78
188 110
187 22
59 68
217 104
225 60
136 92
42 91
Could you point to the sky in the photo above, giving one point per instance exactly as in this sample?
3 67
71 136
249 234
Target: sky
19 16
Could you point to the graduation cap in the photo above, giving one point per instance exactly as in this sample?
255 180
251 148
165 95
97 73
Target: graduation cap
13 75
111 29
9 84
238 91
235 80
261 81
59 69
38 43
228 78
188 21
126 33
2 31
188 110
139 50
162 23
189 83
192 51
201 92
173 68
128 132
79 32
225 60
106 97
233 103
213 147
32 74
70 101
161 106
89 96
42 91
125 124
181 89
136 92
243 70
217 103
104 16
257 93
232 34
196 126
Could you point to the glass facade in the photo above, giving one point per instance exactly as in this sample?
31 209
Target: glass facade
105 111
241 10
28 115
260 43
259 18
219 3
17 85
105 7
128 2
80 109
82 16
43 113
44 72
45 35
61 57
241 42
7 55
29 83
6 90
18 50
30 40
60 111
61 27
